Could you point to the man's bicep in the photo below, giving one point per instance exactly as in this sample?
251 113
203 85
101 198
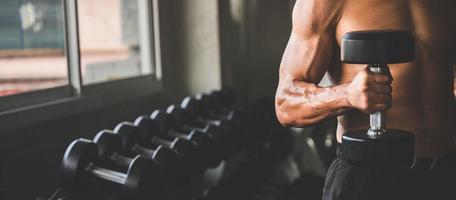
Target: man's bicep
307 58
310 49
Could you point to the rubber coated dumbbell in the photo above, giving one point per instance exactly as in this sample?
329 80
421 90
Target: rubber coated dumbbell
228 96
378 144
192 110
167 127
110 150
210 108
80 166
167 159
258 131
186 150
186 122
226 102
217 102
225 98
243 114
196 112
214 132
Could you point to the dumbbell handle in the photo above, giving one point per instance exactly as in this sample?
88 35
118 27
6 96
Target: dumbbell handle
121 160
174 133
107 174
377 119
143 151
188 127
209 121
164 142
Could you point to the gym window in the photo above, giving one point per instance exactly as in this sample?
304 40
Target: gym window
32 53
53 51
112 44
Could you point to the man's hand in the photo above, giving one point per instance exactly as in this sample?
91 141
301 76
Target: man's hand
370 92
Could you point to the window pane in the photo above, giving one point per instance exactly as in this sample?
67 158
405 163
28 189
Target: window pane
32 55
110 40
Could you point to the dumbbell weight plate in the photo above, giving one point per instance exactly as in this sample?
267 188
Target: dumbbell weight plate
202 137
193 108
149 129
394 147
167 159
186 150
142 179
213 131
145 126
77 156
377 47
230 115
168 125
108 143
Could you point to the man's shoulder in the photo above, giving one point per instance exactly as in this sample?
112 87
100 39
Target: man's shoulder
317 15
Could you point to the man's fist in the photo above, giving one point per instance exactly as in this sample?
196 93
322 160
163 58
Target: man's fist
369 92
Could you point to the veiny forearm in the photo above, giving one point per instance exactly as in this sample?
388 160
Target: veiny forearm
301 104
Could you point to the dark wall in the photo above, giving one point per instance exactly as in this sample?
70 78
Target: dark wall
253 42
191 46
268 27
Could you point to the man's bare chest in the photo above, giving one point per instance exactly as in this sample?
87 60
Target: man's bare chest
431 23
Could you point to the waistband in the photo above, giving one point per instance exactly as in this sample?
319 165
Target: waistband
424 163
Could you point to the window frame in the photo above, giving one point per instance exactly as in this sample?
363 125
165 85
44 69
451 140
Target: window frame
27 108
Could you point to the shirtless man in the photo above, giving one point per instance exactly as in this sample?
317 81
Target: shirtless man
418 96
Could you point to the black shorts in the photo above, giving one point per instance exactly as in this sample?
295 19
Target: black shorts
429 178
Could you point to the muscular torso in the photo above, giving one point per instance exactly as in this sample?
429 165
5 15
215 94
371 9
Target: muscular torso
423 100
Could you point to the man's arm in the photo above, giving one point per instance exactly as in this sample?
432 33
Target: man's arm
299 101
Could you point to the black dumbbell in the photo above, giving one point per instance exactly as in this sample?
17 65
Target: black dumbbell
194 111
215 132
168 126
247 116
228 96
211 107
186 150
110 149
378 144
167 159
197 112
258 131
217 102
80 166
225 98
227 102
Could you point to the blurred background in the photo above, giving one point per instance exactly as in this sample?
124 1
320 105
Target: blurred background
71 68
246 39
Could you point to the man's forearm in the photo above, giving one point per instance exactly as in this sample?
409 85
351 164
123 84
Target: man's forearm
302 104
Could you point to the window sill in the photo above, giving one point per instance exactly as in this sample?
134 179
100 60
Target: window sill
93 97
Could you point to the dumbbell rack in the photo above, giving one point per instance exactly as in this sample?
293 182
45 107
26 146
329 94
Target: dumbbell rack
252 139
